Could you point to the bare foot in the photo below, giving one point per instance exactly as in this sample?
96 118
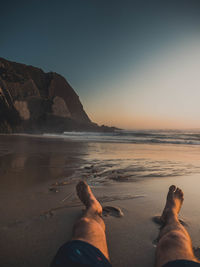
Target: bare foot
86 196
173 203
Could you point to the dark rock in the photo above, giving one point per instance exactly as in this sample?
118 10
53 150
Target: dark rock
33 101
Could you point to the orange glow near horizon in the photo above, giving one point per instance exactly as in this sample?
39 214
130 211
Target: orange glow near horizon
162 93
146 123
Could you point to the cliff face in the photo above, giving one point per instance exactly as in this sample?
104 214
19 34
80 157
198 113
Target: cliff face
34 101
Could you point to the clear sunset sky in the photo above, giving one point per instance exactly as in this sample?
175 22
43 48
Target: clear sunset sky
134 64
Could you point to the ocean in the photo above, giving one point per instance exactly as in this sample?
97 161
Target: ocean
184 137
130 155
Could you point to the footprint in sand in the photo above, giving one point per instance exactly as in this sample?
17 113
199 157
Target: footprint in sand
156 219
112 211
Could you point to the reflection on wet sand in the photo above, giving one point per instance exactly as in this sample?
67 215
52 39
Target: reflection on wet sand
28 166
35 160
18 163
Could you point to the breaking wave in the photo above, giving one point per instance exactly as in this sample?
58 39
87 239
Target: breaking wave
136 137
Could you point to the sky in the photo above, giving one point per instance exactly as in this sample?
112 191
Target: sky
134 64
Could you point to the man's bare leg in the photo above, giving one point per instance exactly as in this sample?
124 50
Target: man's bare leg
174 241
90 227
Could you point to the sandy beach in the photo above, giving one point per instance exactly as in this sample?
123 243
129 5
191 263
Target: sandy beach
105 92
39 204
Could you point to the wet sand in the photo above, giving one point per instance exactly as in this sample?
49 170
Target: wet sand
39 205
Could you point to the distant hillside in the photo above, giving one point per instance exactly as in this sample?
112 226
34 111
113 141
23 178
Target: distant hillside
34 101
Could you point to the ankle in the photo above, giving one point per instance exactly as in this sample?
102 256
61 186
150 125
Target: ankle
171 216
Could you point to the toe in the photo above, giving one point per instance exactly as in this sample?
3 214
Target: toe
172 188
179 192
81 185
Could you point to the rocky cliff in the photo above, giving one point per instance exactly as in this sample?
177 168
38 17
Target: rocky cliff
34 101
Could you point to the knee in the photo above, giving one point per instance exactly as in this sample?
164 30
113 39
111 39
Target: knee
80 224
90 222
173 238
177 236
82 221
